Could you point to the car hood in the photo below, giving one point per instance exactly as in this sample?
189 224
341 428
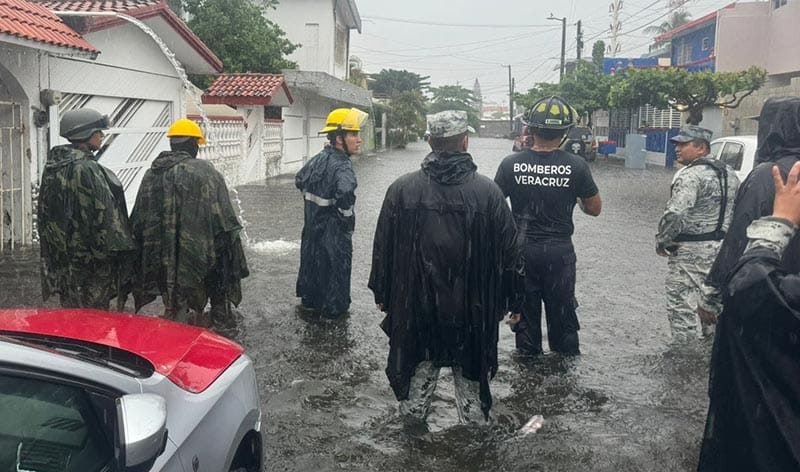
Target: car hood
192 358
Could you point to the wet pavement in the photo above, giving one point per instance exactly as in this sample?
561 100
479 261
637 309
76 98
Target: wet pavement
631 402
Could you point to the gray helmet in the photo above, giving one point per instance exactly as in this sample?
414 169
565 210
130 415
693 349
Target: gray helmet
80 125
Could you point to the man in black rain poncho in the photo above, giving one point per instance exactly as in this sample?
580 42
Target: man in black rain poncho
328 184
753 420
778 144
445 235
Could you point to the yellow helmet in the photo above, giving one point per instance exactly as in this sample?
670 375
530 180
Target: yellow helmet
344 119
188 128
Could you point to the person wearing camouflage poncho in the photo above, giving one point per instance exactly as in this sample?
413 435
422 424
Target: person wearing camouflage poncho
187 235
83 221
692 227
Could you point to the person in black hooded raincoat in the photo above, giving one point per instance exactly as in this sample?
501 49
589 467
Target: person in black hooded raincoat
778 144
444 238
328 184
753 420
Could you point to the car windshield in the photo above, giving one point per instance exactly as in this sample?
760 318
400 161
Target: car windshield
579 132
49 427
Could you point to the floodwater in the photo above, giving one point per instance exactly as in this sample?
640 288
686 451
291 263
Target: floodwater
633 401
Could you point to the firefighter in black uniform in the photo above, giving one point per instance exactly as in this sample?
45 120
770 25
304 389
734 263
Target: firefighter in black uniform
544 183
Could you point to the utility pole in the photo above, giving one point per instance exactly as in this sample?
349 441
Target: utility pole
563 42
579 42
510 99
616 25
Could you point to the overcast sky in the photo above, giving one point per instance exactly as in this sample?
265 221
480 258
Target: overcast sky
457 41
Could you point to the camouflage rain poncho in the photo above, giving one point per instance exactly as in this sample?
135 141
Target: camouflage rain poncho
84 231
187 234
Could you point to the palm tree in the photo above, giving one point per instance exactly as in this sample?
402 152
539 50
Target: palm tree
677 18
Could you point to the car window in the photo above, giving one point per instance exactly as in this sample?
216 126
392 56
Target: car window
579 132
732 155
715 150
49 427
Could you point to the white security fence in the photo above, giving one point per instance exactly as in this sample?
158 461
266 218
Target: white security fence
229 145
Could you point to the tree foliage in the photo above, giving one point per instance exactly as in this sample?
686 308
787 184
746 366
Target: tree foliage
390 82
599 54
675 19
586 89
455 97
238 32
536 93
407 112
683 90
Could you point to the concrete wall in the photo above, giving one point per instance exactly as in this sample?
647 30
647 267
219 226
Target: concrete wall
494 128
758 34
301 122
751 107
743 36
317 52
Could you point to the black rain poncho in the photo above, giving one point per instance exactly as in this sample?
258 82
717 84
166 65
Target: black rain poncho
444 237
754 414
778 143
328 184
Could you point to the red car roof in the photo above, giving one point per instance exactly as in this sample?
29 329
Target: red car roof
191 357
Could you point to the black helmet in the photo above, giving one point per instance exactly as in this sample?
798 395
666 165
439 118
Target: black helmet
551 113
80 125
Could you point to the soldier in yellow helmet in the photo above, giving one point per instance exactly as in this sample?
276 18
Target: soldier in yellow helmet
187 235
328 184
544 184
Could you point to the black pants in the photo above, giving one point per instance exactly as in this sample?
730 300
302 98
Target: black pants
549 279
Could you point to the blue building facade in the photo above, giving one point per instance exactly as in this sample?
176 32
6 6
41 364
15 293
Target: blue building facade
693 45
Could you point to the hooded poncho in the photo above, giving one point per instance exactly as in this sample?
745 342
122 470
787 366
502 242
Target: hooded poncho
778 144
83 228
187 234
445 235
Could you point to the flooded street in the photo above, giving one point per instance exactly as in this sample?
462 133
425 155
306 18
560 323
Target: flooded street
630 402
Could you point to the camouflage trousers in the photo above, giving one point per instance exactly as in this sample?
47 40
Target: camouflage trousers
219 316
423 384
686 273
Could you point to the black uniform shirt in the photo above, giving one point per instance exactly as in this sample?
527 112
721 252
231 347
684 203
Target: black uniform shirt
544 188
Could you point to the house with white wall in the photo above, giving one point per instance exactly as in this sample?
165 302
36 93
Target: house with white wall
57 56
322 28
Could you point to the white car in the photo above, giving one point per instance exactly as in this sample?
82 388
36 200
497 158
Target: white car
91 391
738 152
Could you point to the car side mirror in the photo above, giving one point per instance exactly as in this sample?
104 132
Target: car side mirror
141 430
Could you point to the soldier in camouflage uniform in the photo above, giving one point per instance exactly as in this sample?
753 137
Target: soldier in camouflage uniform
187 235
83 222
694 223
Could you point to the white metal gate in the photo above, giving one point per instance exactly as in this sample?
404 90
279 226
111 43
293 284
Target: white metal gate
14 208
272 147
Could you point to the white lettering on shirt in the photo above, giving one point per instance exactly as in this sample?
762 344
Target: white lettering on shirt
542 181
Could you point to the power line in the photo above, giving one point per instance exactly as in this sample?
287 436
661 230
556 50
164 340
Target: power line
437 23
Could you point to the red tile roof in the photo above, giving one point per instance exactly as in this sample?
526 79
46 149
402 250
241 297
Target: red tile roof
105 5
139 9
36 23
246 89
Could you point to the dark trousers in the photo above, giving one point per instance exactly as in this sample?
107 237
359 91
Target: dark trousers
549 279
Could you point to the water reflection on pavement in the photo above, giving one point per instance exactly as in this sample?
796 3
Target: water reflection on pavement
631 402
